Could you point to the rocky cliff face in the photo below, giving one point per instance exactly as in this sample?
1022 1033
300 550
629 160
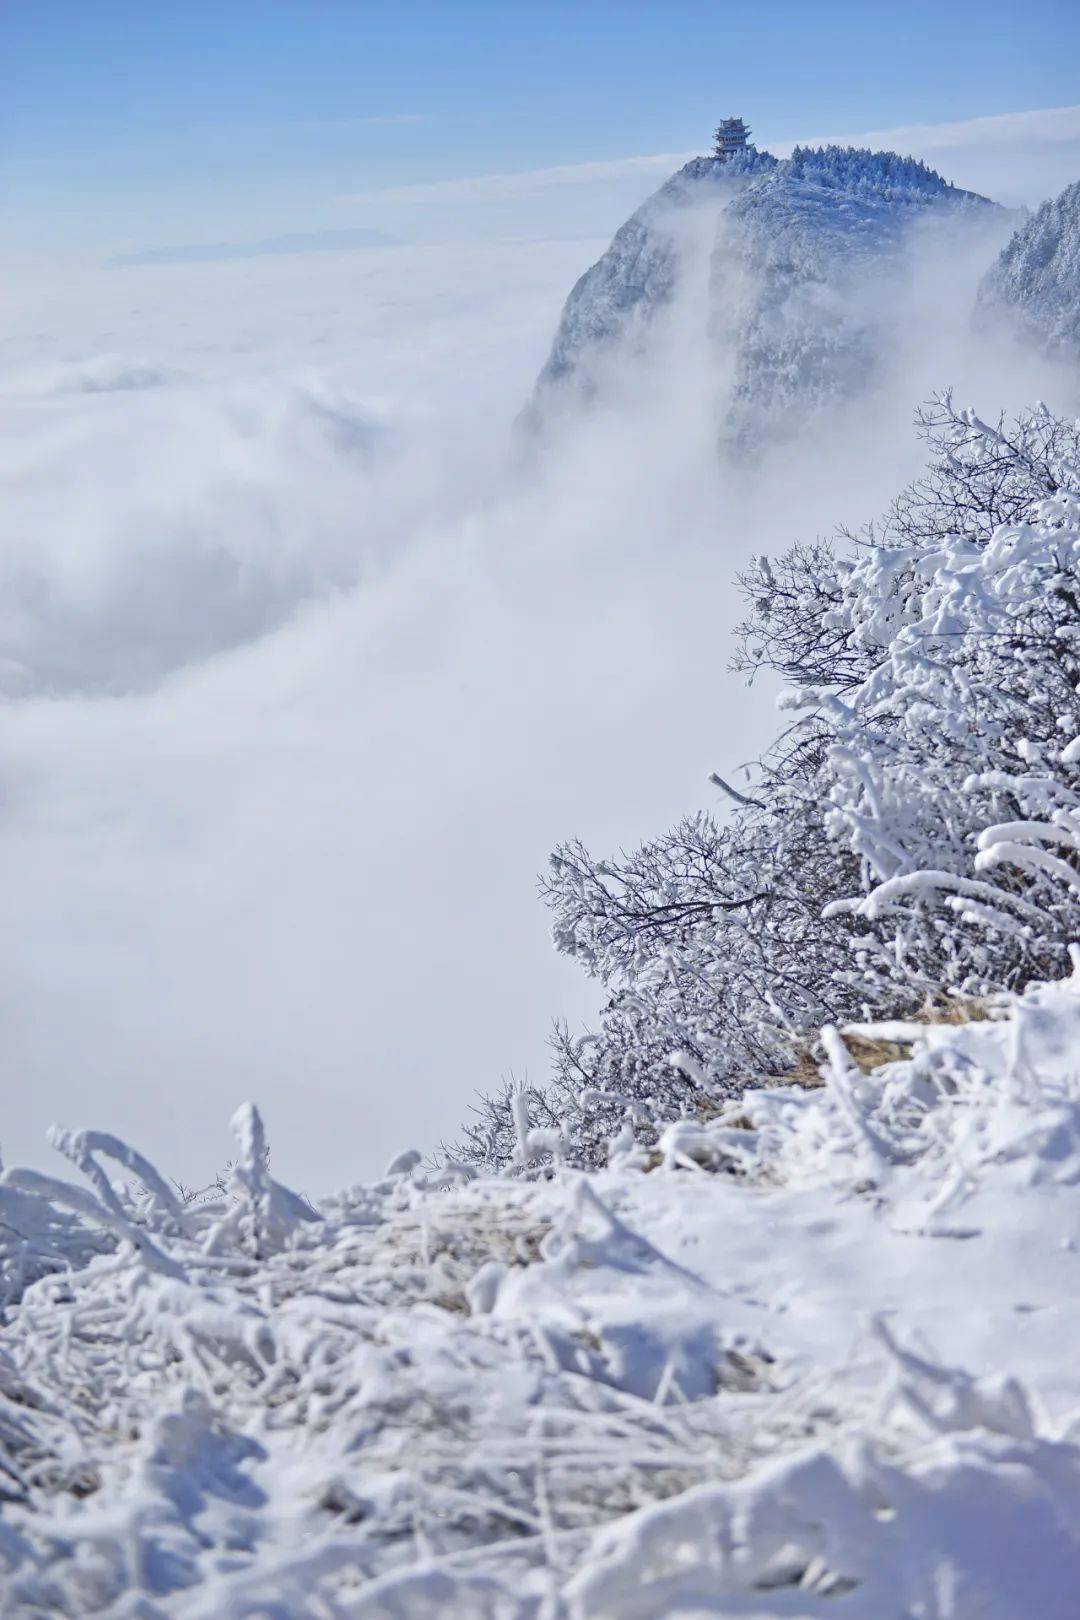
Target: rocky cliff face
1035 284
616 300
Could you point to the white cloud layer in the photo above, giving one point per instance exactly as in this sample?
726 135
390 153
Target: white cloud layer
1049 126
529 182
1014 157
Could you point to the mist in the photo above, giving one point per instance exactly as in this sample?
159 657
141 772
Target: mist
307 666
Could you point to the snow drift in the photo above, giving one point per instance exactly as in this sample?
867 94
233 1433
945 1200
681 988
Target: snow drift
812 1363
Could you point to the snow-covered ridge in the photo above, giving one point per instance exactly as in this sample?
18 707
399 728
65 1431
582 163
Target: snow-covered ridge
1036 281
767 1376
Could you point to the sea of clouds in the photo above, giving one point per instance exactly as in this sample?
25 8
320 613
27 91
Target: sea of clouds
307 662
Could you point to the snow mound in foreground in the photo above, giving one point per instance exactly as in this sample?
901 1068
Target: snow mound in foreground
817 1362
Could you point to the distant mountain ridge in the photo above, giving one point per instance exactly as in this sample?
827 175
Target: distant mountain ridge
330 241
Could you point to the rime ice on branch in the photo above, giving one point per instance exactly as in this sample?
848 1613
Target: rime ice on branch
912 835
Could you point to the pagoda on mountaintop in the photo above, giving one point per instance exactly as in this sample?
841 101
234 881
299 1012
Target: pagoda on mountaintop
731 137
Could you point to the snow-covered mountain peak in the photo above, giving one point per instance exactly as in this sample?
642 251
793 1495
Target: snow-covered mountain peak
785 260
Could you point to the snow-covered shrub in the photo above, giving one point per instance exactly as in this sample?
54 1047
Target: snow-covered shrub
933 666
959 1113
1025 879
970 694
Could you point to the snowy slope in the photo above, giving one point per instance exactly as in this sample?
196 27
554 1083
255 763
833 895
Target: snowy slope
815 254
617 298
1036 281
799 298
813 1358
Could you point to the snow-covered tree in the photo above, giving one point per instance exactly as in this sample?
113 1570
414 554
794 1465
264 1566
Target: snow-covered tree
929 660
1034 286
970 718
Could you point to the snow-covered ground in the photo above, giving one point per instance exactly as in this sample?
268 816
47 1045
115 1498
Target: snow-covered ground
812 1356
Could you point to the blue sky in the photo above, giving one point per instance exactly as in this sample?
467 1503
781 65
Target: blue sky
260 113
